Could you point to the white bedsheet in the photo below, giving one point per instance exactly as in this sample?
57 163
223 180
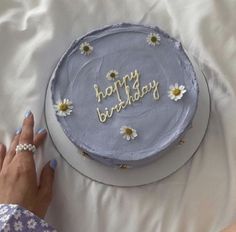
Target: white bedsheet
199 197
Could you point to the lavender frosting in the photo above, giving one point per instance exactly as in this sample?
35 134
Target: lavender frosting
159 123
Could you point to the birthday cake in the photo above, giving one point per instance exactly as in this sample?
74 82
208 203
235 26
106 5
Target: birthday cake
125 94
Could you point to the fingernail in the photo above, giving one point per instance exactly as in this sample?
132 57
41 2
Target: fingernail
27 114
53 164
18 130
41 130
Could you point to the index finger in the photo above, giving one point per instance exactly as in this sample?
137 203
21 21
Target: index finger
26 136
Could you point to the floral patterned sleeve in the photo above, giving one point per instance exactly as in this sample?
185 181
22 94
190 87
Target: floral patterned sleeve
15 218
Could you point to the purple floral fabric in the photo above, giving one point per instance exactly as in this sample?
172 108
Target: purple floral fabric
15 218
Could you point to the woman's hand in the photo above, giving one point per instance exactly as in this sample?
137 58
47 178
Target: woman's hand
18 179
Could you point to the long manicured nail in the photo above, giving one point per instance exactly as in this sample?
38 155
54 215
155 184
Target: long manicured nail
27 113
41 131
18 131
53 164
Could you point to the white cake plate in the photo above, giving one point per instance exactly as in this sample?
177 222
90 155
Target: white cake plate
165 165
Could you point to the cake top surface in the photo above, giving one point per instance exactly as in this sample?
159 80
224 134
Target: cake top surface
132 88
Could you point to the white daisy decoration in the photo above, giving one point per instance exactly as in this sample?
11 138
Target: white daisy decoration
128 132
5 217
3 210
176 92
112 75
153 39
18 226
28 213
31 224
85 48
6 227
63 108
43 223
17 214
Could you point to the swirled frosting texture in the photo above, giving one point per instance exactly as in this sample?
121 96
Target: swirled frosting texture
159 123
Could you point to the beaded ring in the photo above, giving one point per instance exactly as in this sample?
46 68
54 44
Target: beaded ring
25 147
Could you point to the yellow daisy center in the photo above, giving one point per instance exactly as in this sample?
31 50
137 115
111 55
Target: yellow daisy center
154 39
63 107
112 75
128 131
86 48
176 92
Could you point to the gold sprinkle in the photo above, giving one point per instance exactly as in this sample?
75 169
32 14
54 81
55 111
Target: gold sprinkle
123 166
181 141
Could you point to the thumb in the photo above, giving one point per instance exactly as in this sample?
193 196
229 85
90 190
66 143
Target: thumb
45 186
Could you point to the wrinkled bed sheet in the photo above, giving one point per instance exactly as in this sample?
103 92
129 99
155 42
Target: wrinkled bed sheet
199 197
